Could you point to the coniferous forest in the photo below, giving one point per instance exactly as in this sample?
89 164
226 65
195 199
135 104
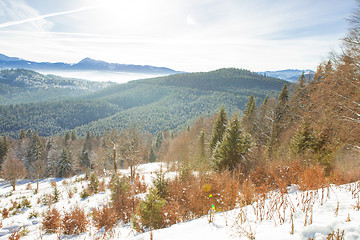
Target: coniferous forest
232 133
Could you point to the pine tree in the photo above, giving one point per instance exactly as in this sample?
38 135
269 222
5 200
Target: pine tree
219 128
64 164
248 119
230 153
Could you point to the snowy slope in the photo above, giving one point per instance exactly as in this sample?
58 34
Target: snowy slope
325 210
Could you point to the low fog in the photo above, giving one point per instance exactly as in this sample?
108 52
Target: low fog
100 76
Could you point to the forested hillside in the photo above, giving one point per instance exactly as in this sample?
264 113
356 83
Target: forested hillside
25 86
171 102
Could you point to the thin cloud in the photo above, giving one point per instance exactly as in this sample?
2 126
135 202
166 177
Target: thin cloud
14 23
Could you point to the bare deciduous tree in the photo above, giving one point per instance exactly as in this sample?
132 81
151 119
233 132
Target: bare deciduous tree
13 169
132 149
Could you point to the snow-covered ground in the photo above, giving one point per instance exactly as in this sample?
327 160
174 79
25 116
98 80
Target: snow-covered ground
296 215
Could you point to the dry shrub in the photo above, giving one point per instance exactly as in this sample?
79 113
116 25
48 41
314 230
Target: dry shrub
336 235
70 193
247 192
104 217
14 204
173 213
194 197
75 221
28 186
51 221
313 177
277 175
224 189
339 176
15 236
139 184
186 195
102 186
5 213
47 199
53 184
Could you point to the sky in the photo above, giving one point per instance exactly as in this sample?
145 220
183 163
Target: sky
185 35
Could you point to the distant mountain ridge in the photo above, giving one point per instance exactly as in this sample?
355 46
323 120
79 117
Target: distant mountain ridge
85 64
291 75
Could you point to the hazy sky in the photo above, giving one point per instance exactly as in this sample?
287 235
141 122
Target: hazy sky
188 35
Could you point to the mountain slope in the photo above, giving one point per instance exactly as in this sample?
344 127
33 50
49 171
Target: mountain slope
226 79
171 102
24 86
85 64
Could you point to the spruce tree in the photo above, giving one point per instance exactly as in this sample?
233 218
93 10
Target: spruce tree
28 133
35 157
64 164
299 99
248 119
49 144
202 146
85 159
150 210
161 184
281 119
219 128
262 123
152 157
73 135
304 139
4 148
230 153
159 140
94 183
67 138
282 107
22 134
